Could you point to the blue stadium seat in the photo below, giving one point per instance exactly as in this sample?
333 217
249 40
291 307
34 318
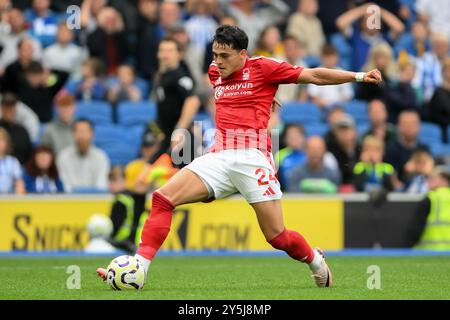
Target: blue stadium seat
298 112
316 129
448 134
99 112
430 133
136 113
358 110
109 135
440 149
344 48
120 153
89 190
141 83
362 128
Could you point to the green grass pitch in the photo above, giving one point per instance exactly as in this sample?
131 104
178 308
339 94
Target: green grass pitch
190 278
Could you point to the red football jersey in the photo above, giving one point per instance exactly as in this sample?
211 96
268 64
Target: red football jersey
243 102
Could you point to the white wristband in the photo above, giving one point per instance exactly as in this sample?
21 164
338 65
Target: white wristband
359 77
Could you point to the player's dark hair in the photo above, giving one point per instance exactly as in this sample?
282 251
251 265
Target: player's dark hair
231 36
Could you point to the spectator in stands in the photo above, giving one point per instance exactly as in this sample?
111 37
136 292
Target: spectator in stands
43 21
328 13
201 25
90 86
192 58
109 41
417 171
346 150
307 28
12 31
58 133
14 75
313 176
10 170
362 38
28 119
147 39
400 94
428 229
439 106
169 16
253 20
371 174
334 115
21 143
429 66
174 89
381 57
125 89
89 13
41 175
379 127
82 165
294 54
416 43
327 96
64 55
434 13
293 154
39 89
398 152
269 44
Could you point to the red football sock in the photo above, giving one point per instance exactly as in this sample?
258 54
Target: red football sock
294 245
156 227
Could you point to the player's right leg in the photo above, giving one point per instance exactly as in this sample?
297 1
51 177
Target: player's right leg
184 187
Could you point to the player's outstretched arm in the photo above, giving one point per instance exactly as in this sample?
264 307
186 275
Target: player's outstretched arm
324 76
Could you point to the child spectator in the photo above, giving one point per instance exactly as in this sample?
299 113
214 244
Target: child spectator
371 174
269 44
417 171
41 175
125 89
91 86
10 170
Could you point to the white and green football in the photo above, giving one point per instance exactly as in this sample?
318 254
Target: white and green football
125 273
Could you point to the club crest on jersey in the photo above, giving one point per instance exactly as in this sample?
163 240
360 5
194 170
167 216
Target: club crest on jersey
219 92
246 74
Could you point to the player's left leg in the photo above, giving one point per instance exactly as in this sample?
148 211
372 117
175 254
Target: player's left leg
270 219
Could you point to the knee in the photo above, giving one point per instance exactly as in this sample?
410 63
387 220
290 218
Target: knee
165 194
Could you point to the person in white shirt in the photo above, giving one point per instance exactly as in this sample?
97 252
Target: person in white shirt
328 96
82 165
436 13
64 55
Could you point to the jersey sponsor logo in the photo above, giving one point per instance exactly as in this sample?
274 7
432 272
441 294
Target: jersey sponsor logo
233 90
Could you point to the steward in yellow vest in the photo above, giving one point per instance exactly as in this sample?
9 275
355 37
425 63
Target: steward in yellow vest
431 230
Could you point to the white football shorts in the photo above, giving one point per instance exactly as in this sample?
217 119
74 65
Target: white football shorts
247 171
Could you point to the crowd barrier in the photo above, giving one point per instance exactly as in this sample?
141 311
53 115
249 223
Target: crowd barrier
57 223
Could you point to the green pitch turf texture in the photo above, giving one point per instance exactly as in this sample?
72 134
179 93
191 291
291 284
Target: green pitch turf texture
181 278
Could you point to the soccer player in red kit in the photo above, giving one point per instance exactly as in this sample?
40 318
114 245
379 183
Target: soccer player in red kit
241 160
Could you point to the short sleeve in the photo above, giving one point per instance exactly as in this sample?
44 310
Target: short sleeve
185 86
279 72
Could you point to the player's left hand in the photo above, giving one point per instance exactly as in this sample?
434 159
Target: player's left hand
373 76
275 104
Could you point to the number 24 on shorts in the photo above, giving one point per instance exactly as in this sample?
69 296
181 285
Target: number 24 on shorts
264 178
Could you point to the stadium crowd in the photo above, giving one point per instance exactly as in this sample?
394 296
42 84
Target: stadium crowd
79 100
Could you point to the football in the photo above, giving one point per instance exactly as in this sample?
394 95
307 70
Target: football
125 273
